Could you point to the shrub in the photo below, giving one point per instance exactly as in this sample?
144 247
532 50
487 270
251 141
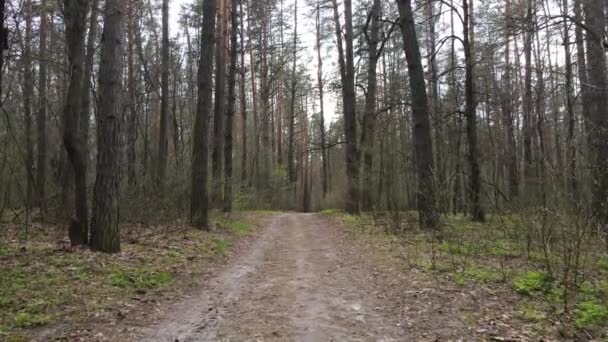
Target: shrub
590 314
531 282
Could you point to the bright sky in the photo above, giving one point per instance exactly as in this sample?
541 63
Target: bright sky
306 30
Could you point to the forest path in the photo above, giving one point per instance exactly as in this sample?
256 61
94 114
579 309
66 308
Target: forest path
300 281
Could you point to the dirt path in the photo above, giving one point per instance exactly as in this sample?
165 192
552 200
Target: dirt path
303 280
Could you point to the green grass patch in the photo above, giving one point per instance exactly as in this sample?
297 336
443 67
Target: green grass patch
531 313
221 246
29 320
477 274
331 212
533 281
139 279
590 314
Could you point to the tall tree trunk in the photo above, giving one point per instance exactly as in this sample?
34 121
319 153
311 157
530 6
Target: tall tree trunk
75 26
231 108
324 151
435 105
28 93
105 232
368 133
199 206
243 103
582 66
528 102
163 143
598 102
265 120
291 167
132 93
350 115
85 111
347 73
41 121
477 211
507 111
428 216
571 173
219 110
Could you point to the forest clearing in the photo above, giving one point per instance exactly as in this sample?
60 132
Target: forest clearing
303 170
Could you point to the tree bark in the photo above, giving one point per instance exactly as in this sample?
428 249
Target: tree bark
291 167
132 93
243 103
598 103
507 111
105 232
476 208
324 151
199 206
41 122
231 109
219 109
163 143
368 133
428 216
28 93
75 26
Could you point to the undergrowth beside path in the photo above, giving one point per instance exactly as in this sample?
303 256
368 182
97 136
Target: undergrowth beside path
47 288
541 287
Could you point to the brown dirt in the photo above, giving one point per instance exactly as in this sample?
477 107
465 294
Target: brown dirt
304 279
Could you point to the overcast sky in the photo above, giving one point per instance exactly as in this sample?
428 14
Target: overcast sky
306 32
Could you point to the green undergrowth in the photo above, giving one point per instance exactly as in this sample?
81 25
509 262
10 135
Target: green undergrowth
43 282
523 255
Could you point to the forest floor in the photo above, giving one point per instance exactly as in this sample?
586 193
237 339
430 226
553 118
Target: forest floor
317 277
306 277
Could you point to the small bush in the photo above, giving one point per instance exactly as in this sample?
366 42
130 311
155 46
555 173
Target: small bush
590 314
139 279
29 320
530 282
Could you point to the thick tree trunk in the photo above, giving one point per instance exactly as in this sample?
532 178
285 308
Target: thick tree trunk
163 143
368 133
476 208
347 73
231 108
85 111
105 232
199 206
598 102
428 216
75 26
217 154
